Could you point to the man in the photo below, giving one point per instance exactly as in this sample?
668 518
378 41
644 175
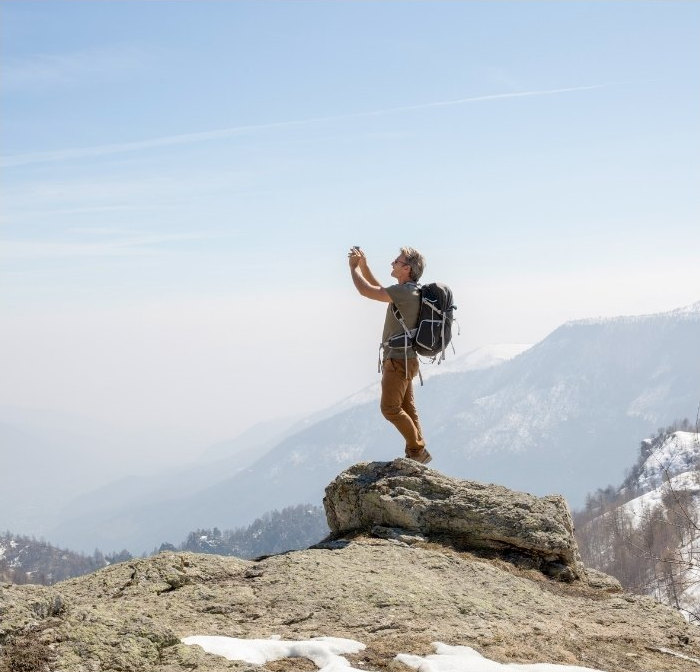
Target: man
399 365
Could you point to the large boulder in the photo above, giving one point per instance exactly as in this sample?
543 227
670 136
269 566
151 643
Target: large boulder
407 495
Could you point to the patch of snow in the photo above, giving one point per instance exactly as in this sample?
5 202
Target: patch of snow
672 468
639 507
465 659
687 572
325 653
679 453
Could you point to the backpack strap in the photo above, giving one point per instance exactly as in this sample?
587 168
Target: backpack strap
443 320
408 334
399 317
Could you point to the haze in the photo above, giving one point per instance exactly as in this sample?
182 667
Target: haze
181 182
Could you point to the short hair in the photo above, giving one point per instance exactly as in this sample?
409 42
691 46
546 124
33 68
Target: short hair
415 260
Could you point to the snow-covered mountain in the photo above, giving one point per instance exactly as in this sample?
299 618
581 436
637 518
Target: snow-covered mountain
647 532
679 454
562 416
484 357
673 466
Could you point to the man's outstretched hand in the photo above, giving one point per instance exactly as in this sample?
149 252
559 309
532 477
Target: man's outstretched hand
356 257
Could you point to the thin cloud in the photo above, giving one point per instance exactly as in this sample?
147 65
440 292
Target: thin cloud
47 70
222 133
119 247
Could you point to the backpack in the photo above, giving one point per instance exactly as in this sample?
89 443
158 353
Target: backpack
433 332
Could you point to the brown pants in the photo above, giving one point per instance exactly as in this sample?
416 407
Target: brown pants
398 405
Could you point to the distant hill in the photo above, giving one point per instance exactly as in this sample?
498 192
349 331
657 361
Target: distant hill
49 458
293 528
562 417
27 560
135 497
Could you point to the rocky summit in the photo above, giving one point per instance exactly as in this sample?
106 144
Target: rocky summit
399 572
406 495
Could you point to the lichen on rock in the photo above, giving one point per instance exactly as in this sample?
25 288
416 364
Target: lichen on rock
470 515
396 590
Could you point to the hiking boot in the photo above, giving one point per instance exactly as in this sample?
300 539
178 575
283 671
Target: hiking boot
422 456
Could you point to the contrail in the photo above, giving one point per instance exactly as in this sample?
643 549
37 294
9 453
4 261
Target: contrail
217 134
476 99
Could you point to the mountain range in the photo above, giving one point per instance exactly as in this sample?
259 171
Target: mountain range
562 417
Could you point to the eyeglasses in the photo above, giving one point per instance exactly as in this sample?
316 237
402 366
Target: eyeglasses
398 261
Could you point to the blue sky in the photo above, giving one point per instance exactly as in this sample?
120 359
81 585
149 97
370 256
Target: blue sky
170 166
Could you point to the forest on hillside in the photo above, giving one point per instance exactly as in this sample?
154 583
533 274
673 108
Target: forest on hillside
647 534
26 559
292 528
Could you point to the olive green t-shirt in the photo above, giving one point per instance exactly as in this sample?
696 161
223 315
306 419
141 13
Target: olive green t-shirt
406 298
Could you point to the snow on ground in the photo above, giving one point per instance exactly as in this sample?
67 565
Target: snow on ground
687 572
638 508
672 467
689 593
464 659
325 653
678 453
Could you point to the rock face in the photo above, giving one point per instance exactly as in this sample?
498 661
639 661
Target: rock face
472 516
396 594
391 596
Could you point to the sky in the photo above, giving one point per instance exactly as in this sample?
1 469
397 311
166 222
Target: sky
325 653
181 182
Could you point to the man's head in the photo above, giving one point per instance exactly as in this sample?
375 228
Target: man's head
411 260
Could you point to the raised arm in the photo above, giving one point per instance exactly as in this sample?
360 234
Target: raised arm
363 279
367 274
